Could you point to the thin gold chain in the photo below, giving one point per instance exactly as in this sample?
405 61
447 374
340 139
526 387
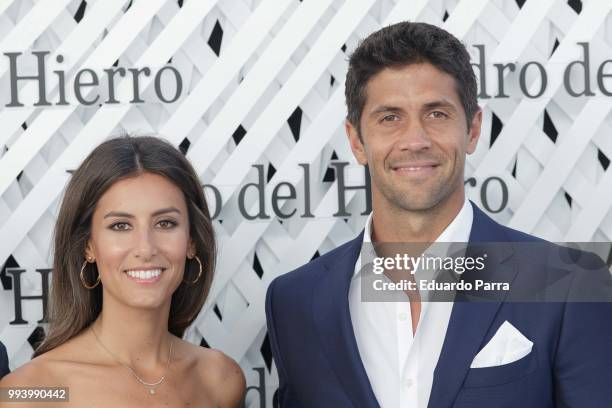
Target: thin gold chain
150 386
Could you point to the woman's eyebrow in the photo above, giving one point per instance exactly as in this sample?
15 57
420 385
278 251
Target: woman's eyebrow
128 215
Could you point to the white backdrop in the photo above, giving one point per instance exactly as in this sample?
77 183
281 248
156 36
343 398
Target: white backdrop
262 84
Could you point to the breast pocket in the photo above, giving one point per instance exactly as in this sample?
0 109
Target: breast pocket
503 374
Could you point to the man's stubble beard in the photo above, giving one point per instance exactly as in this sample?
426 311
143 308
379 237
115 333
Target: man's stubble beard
442 188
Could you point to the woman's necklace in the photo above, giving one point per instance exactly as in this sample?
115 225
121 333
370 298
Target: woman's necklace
150 386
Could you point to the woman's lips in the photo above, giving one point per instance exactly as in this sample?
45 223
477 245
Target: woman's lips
145 276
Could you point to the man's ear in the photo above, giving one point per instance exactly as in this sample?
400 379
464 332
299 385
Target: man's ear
474 133
356 143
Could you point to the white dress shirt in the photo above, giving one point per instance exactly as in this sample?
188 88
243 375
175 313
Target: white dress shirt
400 366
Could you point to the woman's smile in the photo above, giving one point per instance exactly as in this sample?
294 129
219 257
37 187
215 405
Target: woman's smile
145 275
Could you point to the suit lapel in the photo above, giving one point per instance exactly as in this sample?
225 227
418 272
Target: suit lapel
333 323
468 325
470 320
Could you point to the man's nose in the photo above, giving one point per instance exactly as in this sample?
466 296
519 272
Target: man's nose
146 247
414 137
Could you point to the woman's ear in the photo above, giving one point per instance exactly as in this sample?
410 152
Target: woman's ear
191 249
90 254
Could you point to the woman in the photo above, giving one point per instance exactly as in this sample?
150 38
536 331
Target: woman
133 261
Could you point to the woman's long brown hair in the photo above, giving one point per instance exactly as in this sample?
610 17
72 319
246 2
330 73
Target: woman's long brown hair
72 307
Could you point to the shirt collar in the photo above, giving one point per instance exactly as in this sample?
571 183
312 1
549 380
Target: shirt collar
457 231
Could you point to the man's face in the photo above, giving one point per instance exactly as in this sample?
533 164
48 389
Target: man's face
414 137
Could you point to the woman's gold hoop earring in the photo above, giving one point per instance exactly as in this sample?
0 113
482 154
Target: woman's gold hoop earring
90 287
199 273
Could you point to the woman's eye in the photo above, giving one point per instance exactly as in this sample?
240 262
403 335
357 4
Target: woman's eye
165 224
120 226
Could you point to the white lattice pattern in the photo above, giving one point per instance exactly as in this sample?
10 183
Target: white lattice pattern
263 84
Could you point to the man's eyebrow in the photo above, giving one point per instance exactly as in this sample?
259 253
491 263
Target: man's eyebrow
440 103
128 215
386 108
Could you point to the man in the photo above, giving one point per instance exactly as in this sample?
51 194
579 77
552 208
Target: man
412 118
4 365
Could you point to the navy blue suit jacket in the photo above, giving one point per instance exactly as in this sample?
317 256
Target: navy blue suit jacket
4 364
318 362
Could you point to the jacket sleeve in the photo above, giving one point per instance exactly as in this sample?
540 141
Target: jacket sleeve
583 360
285 397
4 365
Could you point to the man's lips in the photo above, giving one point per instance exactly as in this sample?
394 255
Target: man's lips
414 167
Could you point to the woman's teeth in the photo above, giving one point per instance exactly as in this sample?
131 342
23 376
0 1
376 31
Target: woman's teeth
153 273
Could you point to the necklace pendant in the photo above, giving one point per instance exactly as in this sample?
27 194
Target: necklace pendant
152 391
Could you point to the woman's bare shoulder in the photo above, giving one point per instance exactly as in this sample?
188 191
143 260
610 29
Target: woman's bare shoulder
219 373
53 368
38 372
35 374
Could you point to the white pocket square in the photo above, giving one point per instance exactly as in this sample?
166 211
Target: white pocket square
506 346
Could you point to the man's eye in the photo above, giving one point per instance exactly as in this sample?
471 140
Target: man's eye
390 118
438 115
120 226
166 224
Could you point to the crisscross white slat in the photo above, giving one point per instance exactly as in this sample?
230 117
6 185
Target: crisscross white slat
276 56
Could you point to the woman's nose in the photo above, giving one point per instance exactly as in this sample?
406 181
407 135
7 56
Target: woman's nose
146 246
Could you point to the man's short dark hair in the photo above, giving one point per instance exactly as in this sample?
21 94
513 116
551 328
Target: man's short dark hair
403 44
